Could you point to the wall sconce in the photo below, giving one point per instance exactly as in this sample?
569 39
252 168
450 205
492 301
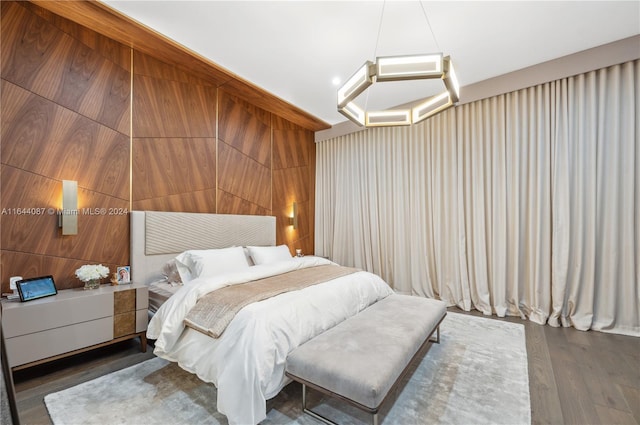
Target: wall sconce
68 217
293 220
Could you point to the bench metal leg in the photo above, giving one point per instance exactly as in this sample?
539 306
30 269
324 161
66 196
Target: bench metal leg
311 412
437 340
376 419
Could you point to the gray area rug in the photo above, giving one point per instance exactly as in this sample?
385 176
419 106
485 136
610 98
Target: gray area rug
476 375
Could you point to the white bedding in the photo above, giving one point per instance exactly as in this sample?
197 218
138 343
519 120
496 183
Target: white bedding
247 362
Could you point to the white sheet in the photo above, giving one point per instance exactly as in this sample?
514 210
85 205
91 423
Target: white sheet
247 362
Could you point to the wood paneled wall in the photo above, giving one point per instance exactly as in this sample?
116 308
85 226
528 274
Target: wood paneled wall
136 133
65 115
294 177
174 145
244 146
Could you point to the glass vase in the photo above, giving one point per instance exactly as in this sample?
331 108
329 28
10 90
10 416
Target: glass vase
92 284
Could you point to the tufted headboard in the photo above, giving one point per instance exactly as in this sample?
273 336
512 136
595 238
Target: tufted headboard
157 236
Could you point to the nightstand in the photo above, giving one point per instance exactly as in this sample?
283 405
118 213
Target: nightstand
73 321
318 256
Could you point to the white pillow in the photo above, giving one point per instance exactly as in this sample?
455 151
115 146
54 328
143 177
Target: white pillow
183 265
269 254
213 262
206 263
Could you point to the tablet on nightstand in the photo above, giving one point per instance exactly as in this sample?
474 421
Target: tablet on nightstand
36 287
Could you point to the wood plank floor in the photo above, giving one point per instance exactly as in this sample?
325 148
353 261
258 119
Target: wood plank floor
574 377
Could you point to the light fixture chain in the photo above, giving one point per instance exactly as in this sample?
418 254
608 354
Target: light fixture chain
424 12
375 50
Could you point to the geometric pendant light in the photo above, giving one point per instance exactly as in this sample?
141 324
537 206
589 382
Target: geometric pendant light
398 68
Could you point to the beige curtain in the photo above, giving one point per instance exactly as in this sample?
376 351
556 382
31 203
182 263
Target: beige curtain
522 204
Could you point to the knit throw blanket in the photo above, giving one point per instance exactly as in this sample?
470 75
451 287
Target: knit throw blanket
214 311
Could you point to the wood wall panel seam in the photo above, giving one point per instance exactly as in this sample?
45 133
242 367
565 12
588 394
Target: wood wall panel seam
41 255
243 176
172 166
217 158
248 207
271 118
49 204
176 194
88 118
239 152
245 127
131 80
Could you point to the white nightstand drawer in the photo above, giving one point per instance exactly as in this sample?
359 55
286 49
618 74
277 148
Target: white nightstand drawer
64 309
40 345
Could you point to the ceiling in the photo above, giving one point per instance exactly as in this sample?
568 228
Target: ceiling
296 49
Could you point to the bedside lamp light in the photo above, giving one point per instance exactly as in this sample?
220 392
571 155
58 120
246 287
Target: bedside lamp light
293 220
68 218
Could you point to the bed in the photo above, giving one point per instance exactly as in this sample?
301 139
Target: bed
247 361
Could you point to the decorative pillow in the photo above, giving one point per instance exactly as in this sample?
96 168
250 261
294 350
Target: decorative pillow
269 254
171 273
183 263
214 262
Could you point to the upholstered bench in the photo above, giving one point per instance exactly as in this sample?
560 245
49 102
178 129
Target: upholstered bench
361 359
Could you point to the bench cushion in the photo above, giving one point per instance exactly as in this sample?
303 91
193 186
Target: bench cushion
362 357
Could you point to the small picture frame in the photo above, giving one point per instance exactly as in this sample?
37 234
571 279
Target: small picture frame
123 275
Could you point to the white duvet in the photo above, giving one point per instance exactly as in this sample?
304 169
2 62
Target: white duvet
247 362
